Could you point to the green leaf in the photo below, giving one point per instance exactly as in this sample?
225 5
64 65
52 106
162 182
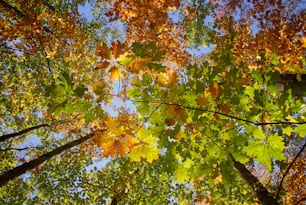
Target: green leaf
82 106
257 76
260 152
276 147
287 130
79 91
156 67
249 91
146 136
136 153
181 173
274 59
147 152
301 130
125 59
68 107
138 49
259 134
273 89
159 55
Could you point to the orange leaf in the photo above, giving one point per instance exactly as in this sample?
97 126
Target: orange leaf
226 108
214 90
103 51
172 79
170 122
118 49
103 64
176 112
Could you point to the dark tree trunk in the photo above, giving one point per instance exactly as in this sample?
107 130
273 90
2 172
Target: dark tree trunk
8 136
263 195
18 171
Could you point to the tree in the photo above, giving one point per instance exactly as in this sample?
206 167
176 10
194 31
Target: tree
215 124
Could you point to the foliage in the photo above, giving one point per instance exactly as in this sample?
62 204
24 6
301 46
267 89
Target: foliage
177 127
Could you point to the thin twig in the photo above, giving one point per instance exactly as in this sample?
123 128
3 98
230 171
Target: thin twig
8 136
14 149
222 114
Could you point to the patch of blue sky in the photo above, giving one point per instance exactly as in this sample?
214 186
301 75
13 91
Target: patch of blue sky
98 165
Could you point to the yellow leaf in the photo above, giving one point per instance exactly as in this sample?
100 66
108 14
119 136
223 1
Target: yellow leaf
179 135
218 179
303 41
115 73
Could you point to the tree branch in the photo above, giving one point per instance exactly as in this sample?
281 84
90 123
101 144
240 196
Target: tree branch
18 171
8 136
222 114
14 149
287 170
264 196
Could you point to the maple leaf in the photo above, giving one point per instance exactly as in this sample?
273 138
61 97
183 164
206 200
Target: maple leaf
176 112
148 152
170 122
225 108
115 73
103 51
118 140
179 135
103 64
118 48
202 101
213 90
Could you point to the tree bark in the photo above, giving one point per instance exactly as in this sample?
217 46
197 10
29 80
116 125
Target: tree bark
18 171
8 136
263 195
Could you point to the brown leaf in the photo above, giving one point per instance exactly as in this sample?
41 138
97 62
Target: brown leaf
202 101
214 90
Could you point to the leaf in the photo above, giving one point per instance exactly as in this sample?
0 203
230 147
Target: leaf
202 101
225 108
79 91
274 59
287 130
102 65
181 173
125 59
103 51
147 152
138 49
258 133
249 91
260 152
276 147
118 48
174 111
146 136
115 73
301 130
214 90
156 67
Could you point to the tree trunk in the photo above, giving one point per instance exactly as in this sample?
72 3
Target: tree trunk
18 171
8 136
263 195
